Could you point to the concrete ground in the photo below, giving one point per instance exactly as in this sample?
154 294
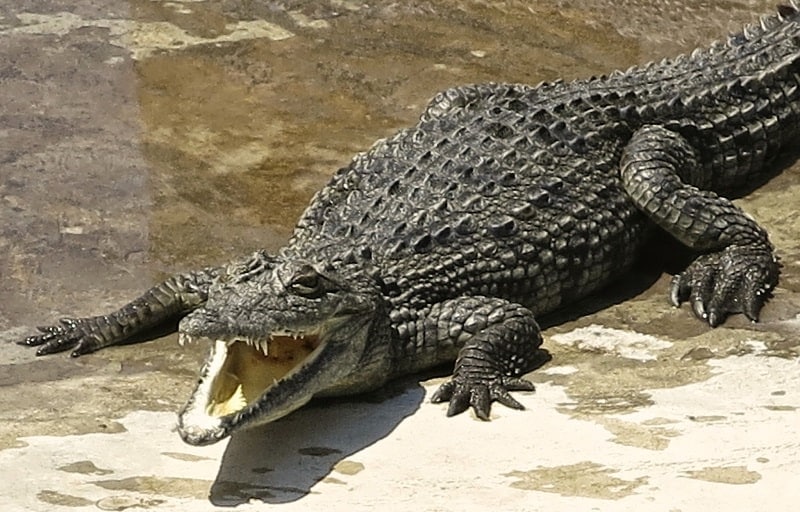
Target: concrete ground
141 138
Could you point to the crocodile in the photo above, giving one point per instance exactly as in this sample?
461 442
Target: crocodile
448 240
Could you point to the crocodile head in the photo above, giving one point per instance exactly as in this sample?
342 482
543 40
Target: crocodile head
280 332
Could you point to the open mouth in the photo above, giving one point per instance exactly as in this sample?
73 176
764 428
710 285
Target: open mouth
251 367
240 371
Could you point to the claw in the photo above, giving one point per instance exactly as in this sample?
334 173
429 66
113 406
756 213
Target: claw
481 402
699 309
67 333
30 341
679 291
83 347
751 309
444 393
518 384
459 403
737 279
715 318
463 394
505 398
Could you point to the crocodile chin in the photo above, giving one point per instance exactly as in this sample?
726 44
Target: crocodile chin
251 367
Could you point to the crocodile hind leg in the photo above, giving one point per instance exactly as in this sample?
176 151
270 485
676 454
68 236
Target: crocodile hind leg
499 342
738 269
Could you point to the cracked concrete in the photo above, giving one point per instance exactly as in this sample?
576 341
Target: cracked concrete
142 138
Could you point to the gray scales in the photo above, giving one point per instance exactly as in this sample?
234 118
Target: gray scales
504 202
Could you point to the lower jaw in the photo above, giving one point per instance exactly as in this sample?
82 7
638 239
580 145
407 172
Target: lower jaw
197 435
195 425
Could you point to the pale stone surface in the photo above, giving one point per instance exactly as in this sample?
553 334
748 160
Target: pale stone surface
733 454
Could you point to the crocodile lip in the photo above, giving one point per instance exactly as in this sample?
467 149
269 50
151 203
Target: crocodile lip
239 371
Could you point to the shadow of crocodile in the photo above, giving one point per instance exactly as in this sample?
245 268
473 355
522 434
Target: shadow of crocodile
281 461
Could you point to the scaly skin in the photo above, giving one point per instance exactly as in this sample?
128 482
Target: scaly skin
504 202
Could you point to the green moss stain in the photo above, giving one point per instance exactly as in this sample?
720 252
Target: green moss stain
640 436
122 502
160 486
725 475
188 457
85 467
60 499
333 480
605 383
712 418
348 467
657 421
779 408
585 479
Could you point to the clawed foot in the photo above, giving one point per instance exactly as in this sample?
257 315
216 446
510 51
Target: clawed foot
463 392
69 333
738 279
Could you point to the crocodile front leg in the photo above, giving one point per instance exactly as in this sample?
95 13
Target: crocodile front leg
499 342
166 301
738 268
174 297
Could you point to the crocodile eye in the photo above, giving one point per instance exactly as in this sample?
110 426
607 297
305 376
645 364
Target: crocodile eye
307 282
